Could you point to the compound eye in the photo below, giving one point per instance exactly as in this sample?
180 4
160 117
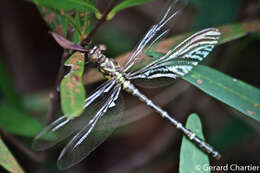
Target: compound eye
102 47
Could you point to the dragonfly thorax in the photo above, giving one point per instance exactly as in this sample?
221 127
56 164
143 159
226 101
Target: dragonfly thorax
95 55
109 67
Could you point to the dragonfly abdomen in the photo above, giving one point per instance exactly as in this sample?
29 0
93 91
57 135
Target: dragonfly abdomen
129 87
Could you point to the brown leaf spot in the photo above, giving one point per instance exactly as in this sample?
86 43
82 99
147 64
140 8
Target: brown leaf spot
225 30
45 10
49 17
70 85
199 81
60 30
75 80
251 113
251 26
255 105
164 46
62 12
77 57
77 90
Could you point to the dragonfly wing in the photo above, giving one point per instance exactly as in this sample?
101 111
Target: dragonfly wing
64 127
180 60
155 33
113 117
89 137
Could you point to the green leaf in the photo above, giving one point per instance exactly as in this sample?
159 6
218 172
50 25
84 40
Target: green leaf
17 122
56 20
7 160
72 90
238 30
59 21
125 4
235 93
7 87
232 133
67 5
192 159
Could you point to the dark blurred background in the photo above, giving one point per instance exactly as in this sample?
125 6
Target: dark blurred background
151 144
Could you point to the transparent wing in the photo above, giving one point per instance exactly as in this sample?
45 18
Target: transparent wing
89 137
155 33
180 60
64 127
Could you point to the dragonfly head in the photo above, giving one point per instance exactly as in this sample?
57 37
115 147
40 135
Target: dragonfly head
95 54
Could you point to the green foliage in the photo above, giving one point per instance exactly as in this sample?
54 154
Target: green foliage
228 32
13 118
17 122
192 159
233 92
7 160
209 15
67 5
61 15
72 90
237 30
7 88
125 4
232 133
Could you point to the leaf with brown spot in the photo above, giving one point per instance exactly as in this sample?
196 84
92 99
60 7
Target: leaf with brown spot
7 160
235 93
76 16
55 20
72 90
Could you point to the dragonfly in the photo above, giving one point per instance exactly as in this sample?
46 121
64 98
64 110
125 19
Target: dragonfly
104 106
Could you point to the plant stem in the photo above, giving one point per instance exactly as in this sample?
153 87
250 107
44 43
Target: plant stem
108 8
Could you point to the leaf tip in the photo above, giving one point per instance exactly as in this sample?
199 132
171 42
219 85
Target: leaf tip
98 15
110 16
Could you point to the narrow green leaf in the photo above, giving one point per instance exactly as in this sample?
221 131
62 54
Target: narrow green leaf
125 4
228 33
7 160
67 5
6 87
235 93
238 30
17 122
192 159
71 88
36 102
59 21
